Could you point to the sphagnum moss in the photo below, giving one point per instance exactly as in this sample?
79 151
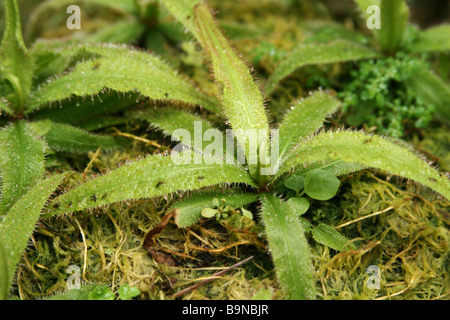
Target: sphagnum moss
408 243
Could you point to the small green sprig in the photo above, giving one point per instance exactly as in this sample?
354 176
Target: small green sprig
378 96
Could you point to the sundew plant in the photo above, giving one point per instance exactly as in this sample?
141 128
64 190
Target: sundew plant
279 167
389 60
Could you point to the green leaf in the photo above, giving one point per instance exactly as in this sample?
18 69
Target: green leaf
299 205
433 39
176 123
241 99
75 294
21 162
84 109
337 168
426 85
127 31
5 107
16 64
318 53
247 213
127 293
65 138
295 183
101 293
304 118
328 236
125 70
371 151
149 177
19 223
189 210
321 184
209 212
394 20
4 275
289 248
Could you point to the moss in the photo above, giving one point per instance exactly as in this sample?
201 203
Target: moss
409 243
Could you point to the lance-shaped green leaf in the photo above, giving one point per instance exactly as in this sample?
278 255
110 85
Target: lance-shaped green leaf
171 120
21 162
19 223
338 167
371 151
87 109
5 107
149 177
304 118
192 130
318 53
394 19
433 39
426 85
328 236
16 64
123 70
288 247
66 138
127 31
189 210
241 99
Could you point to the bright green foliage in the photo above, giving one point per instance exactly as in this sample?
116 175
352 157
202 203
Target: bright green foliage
426 85
371 151
5 107
87 292
66 138
305 117
329 237
127 293
381 95
394 19
289 248
21 219
97 292
15 62
242 100
433 39
295 183
21 162
299 205
78 111
121 70
149 177
321 185
170 120
318 53
190 209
